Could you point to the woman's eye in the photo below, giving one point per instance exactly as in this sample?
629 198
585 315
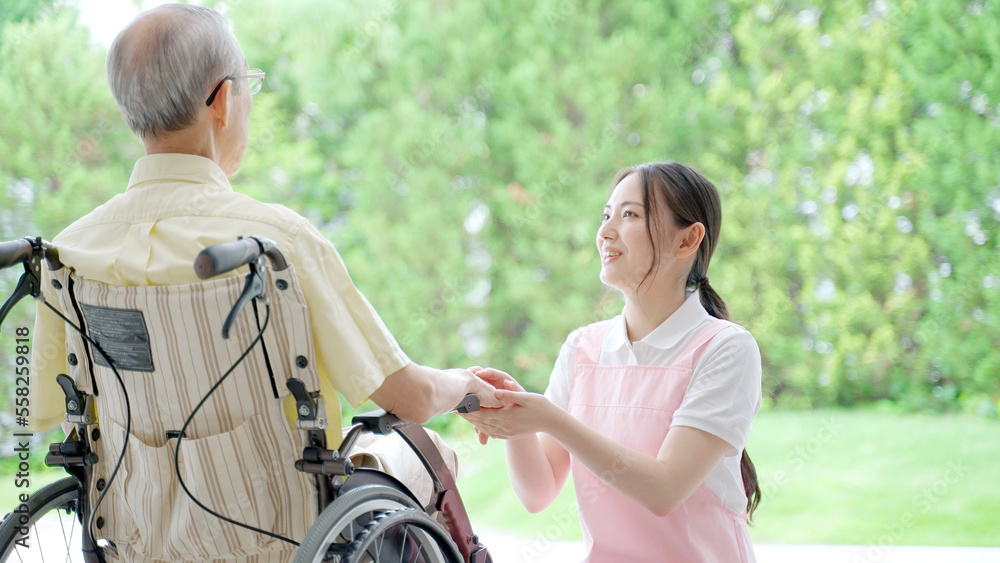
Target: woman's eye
605 217
629 214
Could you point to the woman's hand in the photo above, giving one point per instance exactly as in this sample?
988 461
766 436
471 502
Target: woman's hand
522 413
497 378
537 464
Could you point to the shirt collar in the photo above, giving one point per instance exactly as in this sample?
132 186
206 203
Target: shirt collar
690 314
176 167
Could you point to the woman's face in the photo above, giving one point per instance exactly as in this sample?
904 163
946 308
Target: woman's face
623 240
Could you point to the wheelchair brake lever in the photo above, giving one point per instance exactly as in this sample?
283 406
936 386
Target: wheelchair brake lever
270 249
30 283
27 285
252 289
80 409
310 407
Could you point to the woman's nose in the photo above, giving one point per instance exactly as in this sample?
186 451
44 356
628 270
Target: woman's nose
606 230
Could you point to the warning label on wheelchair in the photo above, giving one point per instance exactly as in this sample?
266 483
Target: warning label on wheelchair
123 336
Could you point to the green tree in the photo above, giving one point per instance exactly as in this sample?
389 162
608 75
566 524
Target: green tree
458 154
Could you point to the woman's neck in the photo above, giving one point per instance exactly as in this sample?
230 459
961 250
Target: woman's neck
645 311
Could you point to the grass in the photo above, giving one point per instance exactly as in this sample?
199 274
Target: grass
835 477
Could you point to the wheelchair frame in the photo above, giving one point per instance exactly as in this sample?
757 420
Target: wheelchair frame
358 506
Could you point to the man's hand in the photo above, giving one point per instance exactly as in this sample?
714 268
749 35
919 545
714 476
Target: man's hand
523 414
498 379
482 388
519 413
416 393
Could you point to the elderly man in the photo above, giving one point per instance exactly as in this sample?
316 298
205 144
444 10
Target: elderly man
182 84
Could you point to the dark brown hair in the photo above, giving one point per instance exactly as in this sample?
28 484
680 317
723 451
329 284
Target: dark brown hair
690 198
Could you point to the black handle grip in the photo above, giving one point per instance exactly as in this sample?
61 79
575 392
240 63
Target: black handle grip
469 404
15 252
221 258
377 421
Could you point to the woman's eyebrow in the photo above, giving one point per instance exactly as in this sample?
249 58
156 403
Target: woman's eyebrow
624 203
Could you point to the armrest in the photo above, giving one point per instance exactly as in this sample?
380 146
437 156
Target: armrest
377 421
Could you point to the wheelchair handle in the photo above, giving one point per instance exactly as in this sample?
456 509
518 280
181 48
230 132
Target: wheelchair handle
381 422
221 258
15 252
469 404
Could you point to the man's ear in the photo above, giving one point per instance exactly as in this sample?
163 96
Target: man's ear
690 237
219 110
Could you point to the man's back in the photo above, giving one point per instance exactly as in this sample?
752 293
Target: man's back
175 206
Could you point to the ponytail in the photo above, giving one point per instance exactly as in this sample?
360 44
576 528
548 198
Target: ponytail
750 485
711 301
716 307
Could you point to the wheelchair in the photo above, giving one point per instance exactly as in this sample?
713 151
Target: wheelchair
358 514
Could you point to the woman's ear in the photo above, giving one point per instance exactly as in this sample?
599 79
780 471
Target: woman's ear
690 239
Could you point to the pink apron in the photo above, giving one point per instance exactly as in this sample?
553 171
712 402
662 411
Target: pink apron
635 405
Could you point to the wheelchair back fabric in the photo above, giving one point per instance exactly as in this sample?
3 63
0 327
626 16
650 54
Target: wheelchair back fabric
237 456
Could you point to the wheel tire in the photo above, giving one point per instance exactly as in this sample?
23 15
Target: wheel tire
388 538
63 494
345 518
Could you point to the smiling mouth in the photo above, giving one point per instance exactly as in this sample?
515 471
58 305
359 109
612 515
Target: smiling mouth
610 254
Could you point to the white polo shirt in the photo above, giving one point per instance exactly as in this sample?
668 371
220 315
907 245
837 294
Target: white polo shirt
722 398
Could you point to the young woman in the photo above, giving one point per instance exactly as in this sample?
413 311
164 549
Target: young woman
651 410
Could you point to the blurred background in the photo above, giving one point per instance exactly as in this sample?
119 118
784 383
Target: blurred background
458 154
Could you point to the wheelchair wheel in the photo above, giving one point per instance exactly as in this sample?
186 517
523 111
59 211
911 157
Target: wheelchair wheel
331 536
50 529
405 535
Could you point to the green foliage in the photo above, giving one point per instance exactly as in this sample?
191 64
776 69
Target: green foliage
20 11
458 154
862 476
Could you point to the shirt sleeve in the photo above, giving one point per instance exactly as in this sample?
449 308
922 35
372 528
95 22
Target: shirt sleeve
354 350
562 372
724 394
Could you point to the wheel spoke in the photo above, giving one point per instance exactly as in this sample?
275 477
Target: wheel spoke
62 529
69 544
41 541
405 535
38 538
403 544
347 518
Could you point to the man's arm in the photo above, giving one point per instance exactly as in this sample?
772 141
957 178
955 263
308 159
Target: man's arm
417 393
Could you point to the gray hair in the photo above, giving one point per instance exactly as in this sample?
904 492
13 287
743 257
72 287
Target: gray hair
162 65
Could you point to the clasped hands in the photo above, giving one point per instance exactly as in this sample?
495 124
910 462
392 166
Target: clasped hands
519 414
